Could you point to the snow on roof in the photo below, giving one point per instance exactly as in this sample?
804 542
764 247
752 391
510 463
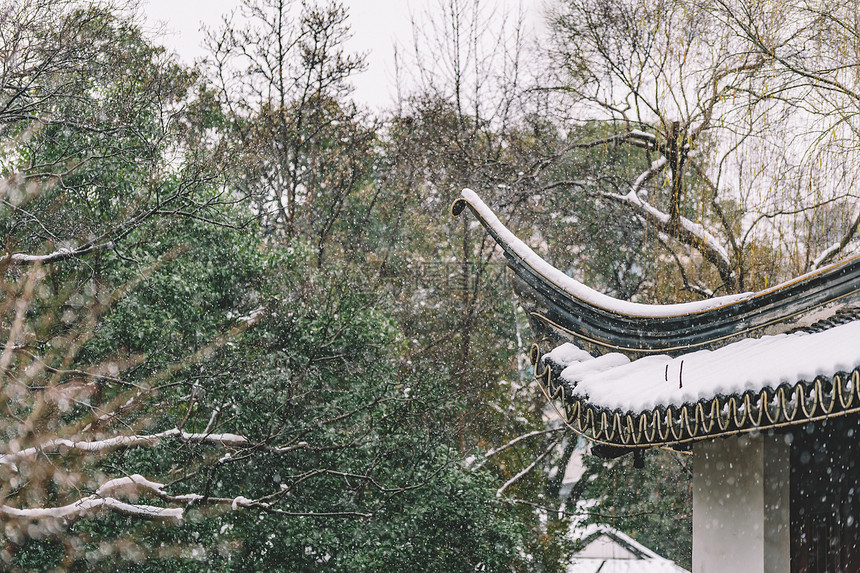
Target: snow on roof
750 385
623 566
673 374
613 382
579 290
609 551
561 307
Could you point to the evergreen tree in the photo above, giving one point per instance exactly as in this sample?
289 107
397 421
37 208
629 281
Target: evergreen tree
186 389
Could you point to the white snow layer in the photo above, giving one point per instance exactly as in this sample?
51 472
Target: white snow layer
747 365
104 498
578 290
93 503
567 354
226 440
623 566
614 552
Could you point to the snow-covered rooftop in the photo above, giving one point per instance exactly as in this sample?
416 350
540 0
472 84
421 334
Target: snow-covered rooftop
607 550
578 290
753 384
560 306
614 382
640 375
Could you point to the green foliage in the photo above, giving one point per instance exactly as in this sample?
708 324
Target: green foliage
89 141
267 263
464 293
302 151
39 555
319 373
595 240
653 504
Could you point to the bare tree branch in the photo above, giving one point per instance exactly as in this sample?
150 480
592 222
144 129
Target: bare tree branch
529 467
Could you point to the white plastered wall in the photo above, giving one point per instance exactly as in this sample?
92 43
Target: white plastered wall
741 505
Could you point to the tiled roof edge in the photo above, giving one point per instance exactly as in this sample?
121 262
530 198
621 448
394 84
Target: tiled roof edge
768 409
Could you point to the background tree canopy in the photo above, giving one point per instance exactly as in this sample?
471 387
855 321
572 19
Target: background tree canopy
241 331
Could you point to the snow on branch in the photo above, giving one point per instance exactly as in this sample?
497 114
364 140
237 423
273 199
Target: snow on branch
686 231
656 167
103 498
826 255
107 497
106 240
253 317
692 286
62 445
634 137
682 229
58 255
89 505
830 252
58 445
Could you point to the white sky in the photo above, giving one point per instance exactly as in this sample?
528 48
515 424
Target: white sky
376 26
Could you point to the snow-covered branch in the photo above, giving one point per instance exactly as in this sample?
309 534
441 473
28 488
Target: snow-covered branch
58 255
88 505
689 285
63 446
634 137
108 495
107 240
683 230
59 445
830 252
518 439
656 167
826 255
253 317
104 498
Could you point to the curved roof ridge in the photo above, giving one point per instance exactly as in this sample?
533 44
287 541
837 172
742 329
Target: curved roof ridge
566 309
505 238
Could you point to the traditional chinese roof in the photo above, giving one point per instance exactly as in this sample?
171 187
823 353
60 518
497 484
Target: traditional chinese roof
631 375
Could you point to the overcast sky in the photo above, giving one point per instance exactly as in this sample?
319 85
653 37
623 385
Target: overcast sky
376 26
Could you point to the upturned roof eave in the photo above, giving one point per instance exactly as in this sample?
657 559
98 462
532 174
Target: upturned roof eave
572 311
566 310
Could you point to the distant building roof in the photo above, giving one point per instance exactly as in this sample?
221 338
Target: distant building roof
607 550
635 375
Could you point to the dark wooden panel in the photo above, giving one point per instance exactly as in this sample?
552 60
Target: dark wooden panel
825 498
